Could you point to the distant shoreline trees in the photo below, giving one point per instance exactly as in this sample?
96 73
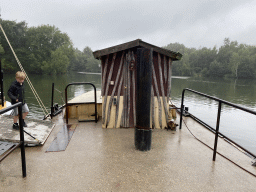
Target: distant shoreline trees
42 50
230 60
46 50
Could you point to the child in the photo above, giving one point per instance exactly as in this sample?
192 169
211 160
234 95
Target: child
16 94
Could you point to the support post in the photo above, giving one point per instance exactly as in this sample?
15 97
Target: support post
52 110
1 84
143 131
66 101
22 146
182 107
217 132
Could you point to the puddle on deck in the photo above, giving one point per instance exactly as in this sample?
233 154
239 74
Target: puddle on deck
61 142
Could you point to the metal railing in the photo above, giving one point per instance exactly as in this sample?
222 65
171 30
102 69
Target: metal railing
55 110
1 85
21 143
217 133
70 104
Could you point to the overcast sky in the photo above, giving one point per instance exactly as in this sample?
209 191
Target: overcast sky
103 23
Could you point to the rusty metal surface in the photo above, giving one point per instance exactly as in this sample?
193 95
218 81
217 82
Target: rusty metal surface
61 142
4 146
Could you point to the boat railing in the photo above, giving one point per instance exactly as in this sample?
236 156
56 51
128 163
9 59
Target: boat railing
70 104
21 144
217 133
1 85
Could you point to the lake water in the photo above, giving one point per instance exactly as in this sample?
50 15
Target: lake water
236 124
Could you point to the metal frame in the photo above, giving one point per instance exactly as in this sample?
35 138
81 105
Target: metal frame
53 112
69 104
21 143
217 133
1 84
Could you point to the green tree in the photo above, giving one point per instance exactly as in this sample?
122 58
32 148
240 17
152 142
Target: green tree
57 64
234 64
1 50
16 33
231 59
84 61
246 67
88 52
42 43
78 61
215 70
176 47
93 65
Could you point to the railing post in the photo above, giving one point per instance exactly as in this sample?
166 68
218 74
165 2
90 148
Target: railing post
95 99
182 107
22 146
217 132
218 119
1 84
52 100
66 101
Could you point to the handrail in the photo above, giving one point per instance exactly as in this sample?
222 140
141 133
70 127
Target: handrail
21 143
1 84
217 133
68 104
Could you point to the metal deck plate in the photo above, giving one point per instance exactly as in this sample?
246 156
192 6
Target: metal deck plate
5 146
40 129
61 142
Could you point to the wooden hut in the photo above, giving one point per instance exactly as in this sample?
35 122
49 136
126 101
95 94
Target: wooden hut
119 79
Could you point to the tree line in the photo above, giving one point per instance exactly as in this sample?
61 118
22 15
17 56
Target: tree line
46 50
230 60
42 50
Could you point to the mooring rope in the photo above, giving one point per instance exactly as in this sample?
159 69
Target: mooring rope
61 94
29 82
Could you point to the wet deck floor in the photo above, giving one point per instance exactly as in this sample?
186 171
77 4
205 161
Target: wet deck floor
99 159
38 129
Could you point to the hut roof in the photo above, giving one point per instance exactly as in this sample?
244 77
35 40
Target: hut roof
136 43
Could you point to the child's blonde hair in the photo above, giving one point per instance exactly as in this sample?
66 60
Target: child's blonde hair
20 75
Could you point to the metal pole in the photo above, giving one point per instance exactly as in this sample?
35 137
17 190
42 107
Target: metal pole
66 100
22 146
1 84
52 100
217 132
182 107
95 98
143 132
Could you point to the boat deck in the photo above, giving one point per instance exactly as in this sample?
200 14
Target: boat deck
99 159
38 129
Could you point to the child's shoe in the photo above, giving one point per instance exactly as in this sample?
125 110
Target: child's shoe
15 126
24 124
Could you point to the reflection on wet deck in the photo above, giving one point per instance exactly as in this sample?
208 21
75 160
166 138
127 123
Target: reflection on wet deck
99 159
60 142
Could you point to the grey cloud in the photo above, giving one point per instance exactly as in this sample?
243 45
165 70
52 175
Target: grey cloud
99 24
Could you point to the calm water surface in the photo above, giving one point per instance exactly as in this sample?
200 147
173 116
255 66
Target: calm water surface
237 125
43 86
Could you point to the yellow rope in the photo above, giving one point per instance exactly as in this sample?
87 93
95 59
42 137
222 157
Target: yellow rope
29 82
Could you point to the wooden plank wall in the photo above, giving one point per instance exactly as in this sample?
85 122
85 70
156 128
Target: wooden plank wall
117 68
